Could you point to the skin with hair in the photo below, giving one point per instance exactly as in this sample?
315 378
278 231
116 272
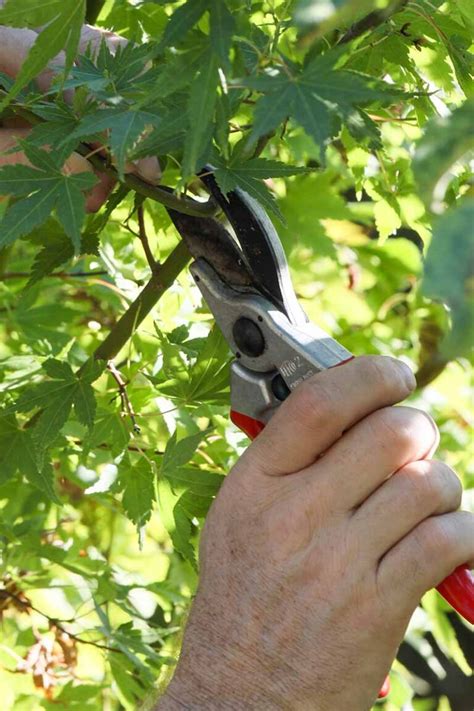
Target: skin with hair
318 548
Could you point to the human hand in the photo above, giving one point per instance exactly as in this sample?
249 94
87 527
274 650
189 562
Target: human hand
14 47
318 549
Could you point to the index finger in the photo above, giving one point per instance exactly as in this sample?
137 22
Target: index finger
317 413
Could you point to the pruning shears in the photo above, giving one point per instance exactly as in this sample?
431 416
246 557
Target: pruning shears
245 280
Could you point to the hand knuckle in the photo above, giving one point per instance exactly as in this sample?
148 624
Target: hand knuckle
387 430
437 538
435 483
406 427
447 484
384 371
314 403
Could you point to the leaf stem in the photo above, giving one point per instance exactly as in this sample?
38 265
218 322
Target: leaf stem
122 388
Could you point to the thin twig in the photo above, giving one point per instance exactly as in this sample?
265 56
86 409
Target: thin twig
59 623
130 448
59 275
152 263
122 388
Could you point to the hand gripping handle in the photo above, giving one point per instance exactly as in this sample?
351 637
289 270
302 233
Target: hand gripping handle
457 588
252 429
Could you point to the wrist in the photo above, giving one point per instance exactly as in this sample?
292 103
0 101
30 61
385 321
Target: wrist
217 673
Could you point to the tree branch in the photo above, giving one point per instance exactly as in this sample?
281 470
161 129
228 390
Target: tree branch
371 21
160 281
163 194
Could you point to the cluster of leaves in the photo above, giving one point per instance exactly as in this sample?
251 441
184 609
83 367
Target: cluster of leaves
365 108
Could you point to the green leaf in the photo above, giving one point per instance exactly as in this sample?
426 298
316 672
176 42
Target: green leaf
449 275
445 141
197 481
248 176
387 218
17 450
65 19
182 20
137 482
22 179
181 535
109 429
178 453
18 453
71 211
317 96
30 13
56 397
168 136
46 188
22 217
222 29
202 101
56 130
126 125
85 404
209 377
57 250
43 479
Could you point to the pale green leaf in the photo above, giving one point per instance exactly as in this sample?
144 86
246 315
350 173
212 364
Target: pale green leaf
202 101
71 211
26 214
179 452
445 141
449 275
137 482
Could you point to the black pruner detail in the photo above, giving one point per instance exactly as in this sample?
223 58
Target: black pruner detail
248 337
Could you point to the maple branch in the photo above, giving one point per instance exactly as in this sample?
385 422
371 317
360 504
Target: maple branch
371 21
162 194
160 281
